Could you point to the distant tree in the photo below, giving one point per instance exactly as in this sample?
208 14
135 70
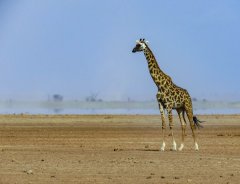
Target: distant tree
194 99
93 98
57 98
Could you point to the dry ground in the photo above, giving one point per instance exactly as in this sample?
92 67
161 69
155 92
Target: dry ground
115 149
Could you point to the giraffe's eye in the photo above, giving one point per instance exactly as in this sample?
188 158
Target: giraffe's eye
138 45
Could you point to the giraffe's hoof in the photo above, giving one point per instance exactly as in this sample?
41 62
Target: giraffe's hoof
174 146
181 147
163 146
196 147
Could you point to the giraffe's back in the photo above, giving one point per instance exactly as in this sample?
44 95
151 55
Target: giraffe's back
174 97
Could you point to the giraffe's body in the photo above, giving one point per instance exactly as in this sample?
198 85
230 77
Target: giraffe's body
169 96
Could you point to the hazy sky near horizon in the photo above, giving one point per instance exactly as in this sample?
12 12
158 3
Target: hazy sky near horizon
81 47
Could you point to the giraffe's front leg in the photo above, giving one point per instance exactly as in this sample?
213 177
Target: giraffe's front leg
163 127
163 122
174 145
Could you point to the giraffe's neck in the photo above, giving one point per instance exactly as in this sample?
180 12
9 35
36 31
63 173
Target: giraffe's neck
158 76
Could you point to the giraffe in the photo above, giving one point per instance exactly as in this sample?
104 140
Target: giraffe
169 97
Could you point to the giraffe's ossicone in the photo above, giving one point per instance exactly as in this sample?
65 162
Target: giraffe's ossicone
169 97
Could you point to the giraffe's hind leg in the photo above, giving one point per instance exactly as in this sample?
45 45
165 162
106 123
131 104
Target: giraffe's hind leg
183 125
190 118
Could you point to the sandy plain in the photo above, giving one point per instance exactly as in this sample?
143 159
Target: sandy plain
115 149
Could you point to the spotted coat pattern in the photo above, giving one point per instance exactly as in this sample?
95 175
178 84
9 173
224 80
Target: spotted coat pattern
169 96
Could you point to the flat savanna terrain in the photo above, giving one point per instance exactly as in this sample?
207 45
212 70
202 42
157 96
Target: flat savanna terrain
115 149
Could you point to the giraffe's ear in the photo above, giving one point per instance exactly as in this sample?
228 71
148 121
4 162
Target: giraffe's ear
146 42
137 41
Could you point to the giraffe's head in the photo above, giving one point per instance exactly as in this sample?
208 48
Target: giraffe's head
140 45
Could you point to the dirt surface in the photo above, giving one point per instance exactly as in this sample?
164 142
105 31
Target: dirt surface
115 149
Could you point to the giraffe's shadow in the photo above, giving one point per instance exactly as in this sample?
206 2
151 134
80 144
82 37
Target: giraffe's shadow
143 149
147 149
150 150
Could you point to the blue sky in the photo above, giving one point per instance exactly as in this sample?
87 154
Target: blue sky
80 47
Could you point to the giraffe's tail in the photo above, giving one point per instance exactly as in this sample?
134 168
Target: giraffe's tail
197 122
